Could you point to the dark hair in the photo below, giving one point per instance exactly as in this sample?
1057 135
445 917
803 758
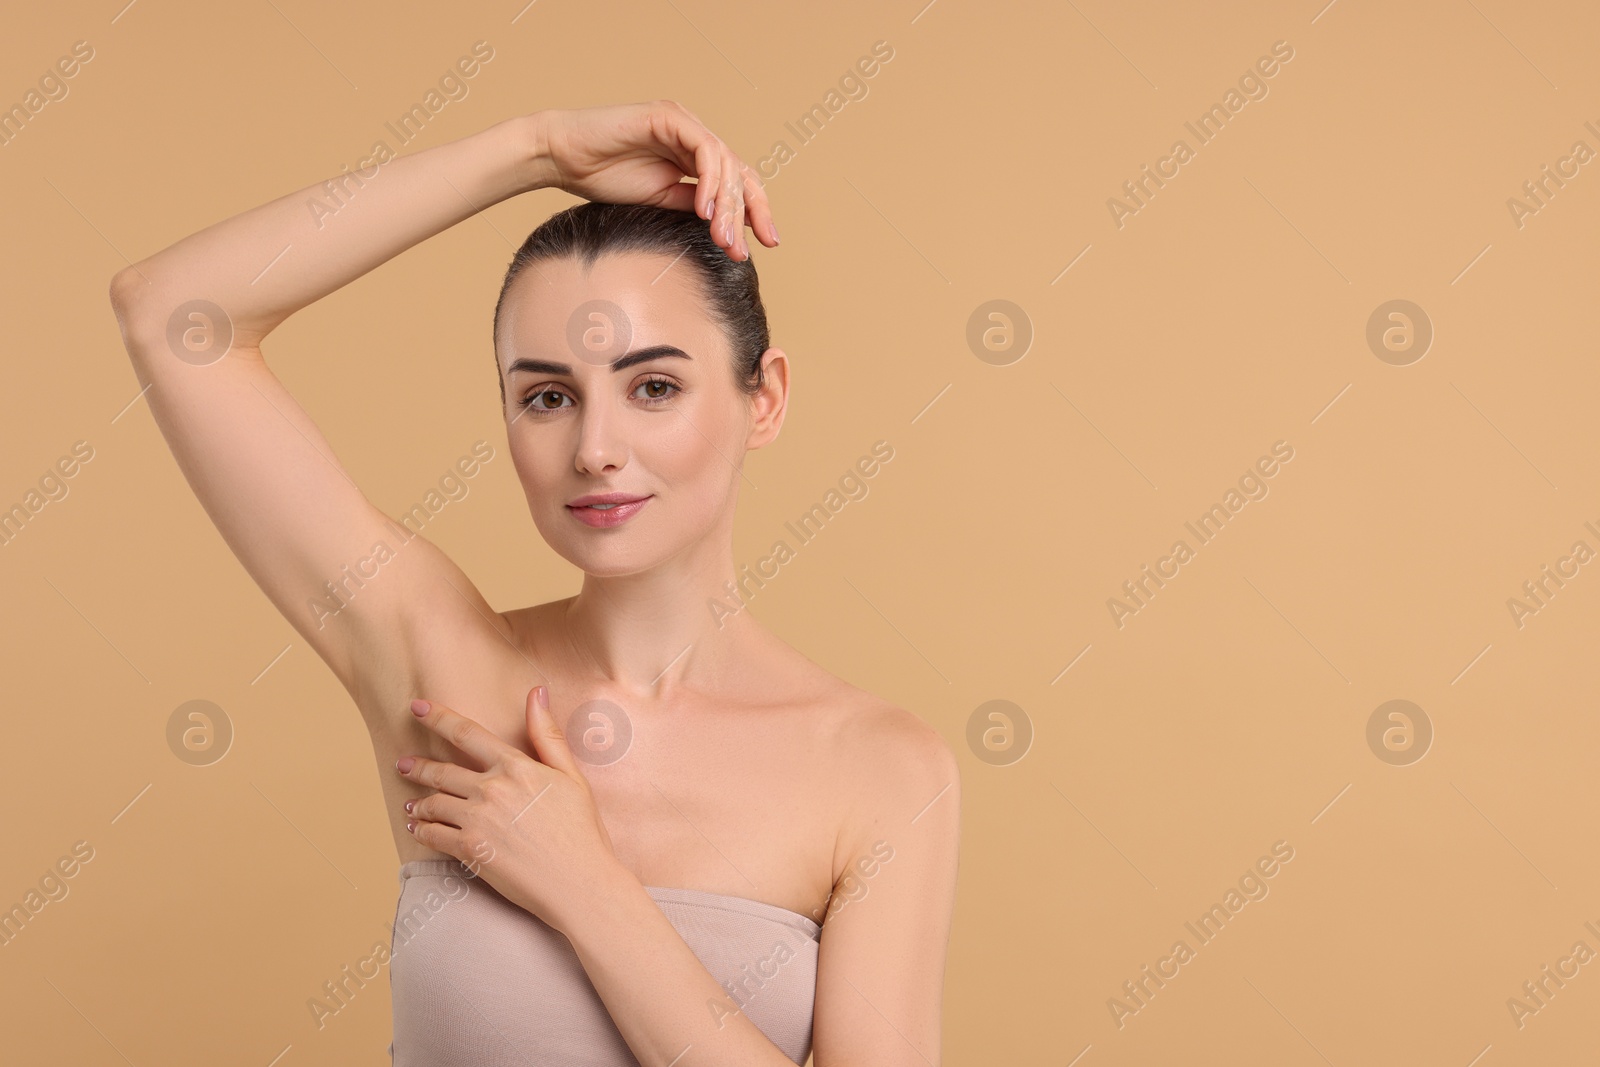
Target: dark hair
731 290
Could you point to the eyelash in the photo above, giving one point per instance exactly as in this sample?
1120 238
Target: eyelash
527 402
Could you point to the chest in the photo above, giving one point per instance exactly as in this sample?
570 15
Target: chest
722 799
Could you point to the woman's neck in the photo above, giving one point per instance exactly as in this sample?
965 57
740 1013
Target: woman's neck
650 634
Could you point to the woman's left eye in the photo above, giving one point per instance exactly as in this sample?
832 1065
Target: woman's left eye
656 397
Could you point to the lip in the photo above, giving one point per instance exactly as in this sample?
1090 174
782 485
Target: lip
605 498
627 505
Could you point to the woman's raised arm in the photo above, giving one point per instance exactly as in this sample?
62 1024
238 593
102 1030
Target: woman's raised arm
194 316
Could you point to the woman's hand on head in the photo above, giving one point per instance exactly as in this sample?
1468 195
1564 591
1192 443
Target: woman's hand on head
639 154
529 827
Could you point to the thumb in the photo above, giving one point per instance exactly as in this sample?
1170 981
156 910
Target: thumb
549 741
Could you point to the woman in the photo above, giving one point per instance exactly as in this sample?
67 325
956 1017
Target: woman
634 828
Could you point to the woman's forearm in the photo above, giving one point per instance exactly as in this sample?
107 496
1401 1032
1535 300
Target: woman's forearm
263 265
659 994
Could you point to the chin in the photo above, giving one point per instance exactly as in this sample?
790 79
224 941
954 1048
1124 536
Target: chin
602 552
618 562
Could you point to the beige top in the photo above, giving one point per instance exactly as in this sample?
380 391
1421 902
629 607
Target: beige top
478 981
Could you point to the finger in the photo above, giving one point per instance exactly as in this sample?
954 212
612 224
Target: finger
686 111
678 135
548 739
758 207
439 837
733 181
438 807
717 197
437 774
463 733
708 168
667 142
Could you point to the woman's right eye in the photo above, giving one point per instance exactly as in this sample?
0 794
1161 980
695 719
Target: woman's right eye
537 402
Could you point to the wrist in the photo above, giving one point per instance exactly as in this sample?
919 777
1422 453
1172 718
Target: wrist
610 892
530 148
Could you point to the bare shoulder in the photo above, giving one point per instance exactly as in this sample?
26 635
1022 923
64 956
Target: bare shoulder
880 746
896 745
894 777
897 847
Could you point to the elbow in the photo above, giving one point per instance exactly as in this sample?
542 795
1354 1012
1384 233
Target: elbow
197 331
126 285
137 309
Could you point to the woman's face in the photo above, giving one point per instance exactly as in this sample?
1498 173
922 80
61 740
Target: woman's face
586 415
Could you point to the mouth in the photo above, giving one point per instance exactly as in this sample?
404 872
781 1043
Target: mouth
606 509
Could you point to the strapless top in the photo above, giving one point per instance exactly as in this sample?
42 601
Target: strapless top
478 981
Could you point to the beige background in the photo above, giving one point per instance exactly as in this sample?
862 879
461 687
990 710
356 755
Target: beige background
1229 313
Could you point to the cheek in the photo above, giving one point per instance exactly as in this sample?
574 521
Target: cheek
693 456
536 470
680 448
522 462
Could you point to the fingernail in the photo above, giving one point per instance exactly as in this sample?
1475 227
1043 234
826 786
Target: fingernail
411 827
711 208
408 806
544 697
404 764
775 238
419 708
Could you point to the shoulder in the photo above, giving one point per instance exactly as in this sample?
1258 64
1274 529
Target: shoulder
896 745
900 782
882 761
875 739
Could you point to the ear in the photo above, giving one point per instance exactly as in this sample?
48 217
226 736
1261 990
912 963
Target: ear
768 405
549 742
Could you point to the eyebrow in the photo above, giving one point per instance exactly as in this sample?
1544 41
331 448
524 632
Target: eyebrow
643 355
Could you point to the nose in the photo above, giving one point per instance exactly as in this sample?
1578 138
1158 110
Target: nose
601 448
